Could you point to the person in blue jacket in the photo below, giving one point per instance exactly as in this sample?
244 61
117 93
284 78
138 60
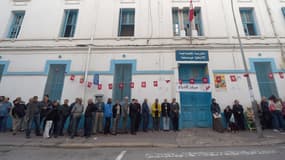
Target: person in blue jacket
108 115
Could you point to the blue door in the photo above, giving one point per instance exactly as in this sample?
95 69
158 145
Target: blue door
123 75
1 71
267 86
195 106
195 109
55 81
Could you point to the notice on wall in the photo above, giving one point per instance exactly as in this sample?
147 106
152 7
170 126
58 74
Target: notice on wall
186 87
220 82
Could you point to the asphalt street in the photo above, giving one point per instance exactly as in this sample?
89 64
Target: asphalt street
276 152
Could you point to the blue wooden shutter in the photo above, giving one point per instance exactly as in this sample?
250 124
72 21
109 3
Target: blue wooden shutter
16 24
175 22
69 24
198 21
283 10
248 20
126 22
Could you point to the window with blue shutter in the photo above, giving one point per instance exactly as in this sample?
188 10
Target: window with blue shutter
17 21
283 10
69 23
197 18
175 22
248 21
127 22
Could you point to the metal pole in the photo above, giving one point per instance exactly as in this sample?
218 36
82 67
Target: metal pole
252 98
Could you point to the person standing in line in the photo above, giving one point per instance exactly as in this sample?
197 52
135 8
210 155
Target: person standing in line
238 115
174 106
275 107
217 118
52 121
117 111
65 112
76 113
69 129
125 114
5 107
138 120
156 111
90 109
266 119
166 115
108 115
18 114
145 115
133 116
33 115
100 109
228 114
46 106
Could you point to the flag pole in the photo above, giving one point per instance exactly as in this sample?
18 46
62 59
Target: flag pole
191 18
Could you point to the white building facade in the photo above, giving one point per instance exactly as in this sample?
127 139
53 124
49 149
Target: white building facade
143 49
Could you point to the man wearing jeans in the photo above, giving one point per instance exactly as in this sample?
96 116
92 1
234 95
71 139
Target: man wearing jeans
5 107
165 106
33 115
125 113
99 116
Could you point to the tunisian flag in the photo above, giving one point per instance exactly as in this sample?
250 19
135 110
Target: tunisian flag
191 12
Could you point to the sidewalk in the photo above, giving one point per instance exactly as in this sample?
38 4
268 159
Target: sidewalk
198 137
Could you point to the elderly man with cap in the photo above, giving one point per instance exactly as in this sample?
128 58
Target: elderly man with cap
125 111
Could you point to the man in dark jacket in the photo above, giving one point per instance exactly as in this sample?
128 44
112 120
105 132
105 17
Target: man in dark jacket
33 115
239 115
18 113
138 121
52 121
117 111
65 112
133 116
174 106
46 106
145 115
165 107
90 109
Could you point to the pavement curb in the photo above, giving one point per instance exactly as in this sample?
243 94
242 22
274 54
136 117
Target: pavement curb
137 145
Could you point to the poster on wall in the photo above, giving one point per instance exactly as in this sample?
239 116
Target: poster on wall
220 82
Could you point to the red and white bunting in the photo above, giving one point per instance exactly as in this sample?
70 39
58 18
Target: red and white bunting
89 84
155 83
81 80
132 85
270 76
121 85
281 75
205 80
192 81
143 85
99 86
110 86
72 77
233 78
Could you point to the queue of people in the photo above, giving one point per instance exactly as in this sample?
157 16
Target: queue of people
49 119
271 113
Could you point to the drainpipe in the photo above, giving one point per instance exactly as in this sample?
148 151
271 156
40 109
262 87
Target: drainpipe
268 9
87 62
